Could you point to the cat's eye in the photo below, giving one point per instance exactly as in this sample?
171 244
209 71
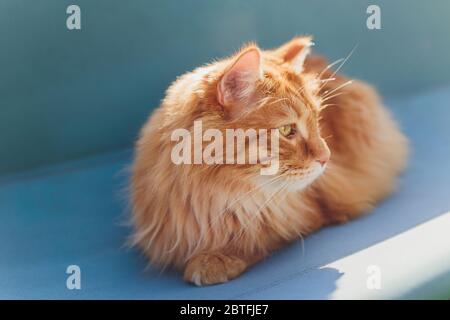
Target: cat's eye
288 130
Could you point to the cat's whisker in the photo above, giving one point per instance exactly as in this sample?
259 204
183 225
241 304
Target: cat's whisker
300 90
333 96
326 80
345 61
328 93
341 65
331 65
278 100
323 107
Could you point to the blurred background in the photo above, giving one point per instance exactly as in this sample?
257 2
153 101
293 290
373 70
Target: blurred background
66 94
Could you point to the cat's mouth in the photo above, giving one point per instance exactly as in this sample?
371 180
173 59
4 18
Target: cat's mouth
299 178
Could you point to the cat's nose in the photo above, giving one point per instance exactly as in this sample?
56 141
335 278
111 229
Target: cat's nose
323 157
322 161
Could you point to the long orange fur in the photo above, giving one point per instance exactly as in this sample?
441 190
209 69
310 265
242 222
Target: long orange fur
214 221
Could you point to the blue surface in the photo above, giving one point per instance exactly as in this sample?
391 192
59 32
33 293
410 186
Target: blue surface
72 213
67 94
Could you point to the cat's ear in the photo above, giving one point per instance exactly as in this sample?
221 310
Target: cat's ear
295 52
237 86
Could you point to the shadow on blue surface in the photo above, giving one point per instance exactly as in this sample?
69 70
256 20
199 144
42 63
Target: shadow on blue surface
71 214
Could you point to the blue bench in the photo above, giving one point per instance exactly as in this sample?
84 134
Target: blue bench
76 213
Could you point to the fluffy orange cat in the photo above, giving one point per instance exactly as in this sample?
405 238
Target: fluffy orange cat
339 153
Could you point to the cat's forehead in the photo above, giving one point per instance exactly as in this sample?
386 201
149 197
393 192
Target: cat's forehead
281 79
277 111
287 90
279 71
284 82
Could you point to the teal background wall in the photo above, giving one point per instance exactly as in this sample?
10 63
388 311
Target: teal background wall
67 94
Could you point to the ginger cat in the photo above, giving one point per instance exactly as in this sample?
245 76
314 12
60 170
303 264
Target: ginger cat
340 152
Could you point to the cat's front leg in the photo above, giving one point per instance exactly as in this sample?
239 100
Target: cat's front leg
213 268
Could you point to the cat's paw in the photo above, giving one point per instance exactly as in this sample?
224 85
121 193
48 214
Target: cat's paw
213 268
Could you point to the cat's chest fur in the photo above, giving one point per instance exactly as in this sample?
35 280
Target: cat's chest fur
279 216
